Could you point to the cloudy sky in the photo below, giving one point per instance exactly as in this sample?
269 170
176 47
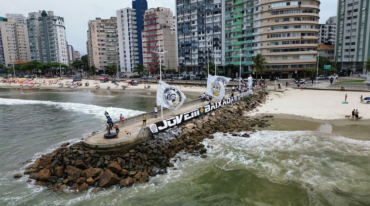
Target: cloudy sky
77 13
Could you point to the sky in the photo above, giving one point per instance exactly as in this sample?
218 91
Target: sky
77 13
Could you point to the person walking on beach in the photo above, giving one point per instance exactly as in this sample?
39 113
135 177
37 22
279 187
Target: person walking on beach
345 98
356 114
353 114
121 118
117 130
144 120
361 99
155 111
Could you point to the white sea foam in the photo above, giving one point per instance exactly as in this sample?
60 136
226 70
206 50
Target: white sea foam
321 163
94 110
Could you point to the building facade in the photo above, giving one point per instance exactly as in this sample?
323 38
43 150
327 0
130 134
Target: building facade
140 7
286 34
199 33
47 34
328 31
159 35
71 56
353 36
34 36
77 55
127 30
102 43
238 33
232 32
327 51
14 43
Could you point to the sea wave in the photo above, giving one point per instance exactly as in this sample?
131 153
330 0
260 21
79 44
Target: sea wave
324 164
97 111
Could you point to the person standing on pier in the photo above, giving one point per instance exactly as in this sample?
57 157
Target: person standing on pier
117 130
144 120
155 111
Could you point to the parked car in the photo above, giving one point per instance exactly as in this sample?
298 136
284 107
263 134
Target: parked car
75 79
47 75
144 77
321 77
301 81
368 83
134 76
186 78
333 76
238 79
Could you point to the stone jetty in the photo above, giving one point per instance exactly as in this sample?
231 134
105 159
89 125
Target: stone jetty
78 168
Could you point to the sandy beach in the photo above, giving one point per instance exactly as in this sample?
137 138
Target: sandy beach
321 105
43 83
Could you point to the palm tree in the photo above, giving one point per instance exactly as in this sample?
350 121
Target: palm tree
367 65
259 63
139 68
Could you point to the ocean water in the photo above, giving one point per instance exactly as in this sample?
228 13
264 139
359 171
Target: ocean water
269 168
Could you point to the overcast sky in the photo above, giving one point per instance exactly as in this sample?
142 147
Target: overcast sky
77 13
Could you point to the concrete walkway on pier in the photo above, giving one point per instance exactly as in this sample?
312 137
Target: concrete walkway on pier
98 140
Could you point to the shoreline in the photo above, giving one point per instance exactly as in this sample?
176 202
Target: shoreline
319 105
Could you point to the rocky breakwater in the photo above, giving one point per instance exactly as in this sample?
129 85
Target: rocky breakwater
76 168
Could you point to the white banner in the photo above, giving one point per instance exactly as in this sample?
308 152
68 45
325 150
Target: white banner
216 86
169 97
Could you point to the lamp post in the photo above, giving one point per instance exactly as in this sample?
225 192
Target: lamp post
317 68
214 59
240 68
207 59
60 70
13 69
160 68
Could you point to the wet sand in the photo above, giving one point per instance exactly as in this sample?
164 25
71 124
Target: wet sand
358 130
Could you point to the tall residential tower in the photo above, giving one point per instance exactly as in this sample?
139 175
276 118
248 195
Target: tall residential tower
352 46
159 35
14 43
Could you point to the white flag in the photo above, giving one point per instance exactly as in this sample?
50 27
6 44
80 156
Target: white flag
169 97
216 86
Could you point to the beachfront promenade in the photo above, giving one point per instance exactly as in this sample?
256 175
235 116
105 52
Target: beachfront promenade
134 126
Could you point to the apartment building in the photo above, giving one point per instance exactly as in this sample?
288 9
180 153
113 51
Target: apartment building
238 33
159 35
102 43
352 46
328 31
286 34
14 43
34 36
47 33
326 51
199 33
127 39
77 55
71 56
130 23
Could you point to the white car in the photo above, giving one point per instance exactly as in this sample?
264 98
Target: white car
238 79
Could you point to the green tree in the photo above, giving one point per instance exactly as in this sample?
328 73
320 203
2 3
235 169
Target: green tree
211 68
93 69
310 73
111 70
139 68
367 66
85 62
325 61
77 64
259 63
231 70
1 66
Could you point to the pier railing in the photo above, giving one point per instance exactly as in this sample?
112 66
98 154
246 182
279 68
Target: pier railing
139 117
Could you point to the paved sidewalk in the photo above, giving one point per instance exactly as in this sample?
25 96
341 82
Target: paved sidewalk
135 127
